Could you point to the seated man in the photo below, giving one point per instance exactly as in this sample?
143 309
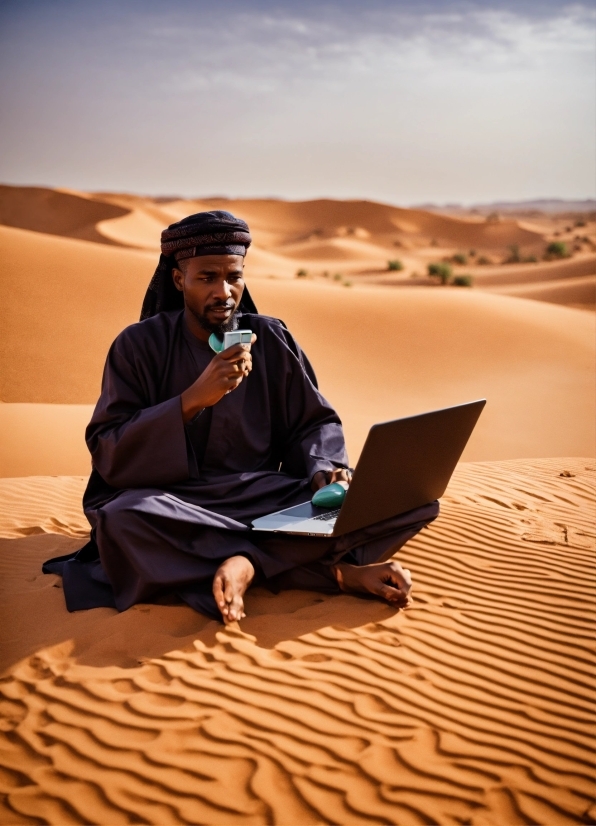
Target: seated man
189 446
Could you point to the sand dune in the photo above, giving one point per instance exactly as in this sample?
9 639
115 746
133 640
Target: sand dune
55 212
41 505
44 439
577 292
382 353
472 707
355 238
59 323
584 265
298 219
379 353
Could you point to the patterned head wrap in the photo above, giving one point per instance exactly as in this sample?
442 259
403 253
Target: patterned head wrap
205 233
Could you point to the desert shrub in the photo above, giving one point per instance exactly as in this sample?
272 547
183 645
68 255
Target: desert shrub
326 274
580 223
483 260
434 242
396 265
441 270
338 276
514 256
347 283
460 258
530 259
463 281
557 249
301 274
472 253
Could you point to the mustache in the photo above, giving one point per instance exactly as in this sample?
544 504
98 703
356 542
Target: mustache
220 305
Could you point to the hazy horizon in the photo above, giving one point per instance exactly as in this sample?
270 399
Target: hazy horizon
440 101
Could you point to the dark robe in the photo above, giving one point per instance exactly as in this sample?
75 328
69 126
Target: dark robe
168 502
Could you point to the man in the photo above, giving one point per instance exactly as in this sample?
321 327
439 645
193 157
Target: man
189 447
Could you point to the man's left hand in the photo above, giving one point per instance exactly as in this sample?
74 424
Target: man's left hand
326 477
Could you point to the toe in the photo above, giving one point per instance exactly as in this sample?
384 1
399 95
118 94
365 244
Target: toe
236 611
393 595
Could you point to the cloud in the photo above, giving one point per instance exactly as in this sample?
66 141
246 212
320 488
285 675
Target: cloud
404 101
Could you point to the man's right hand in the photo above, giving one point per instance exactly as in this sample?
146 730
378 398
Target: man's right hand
223 374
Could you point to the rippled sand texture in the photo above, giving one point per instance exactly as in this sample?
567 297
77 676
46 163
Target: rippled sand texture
473 707
31 505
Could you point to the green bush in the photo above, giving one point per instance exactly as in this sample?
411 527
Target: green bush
514 255
460 258
301 274
557 249
441 270
395 265
463 281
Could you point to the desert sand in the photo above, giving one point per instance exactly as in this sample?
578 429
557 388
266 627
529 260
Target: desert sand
474 705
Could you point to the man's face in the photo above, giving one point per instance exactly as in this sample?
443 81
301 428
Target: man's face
212 286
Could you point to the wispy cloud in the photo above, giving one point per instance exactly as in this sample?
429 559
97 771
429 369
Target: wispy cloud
406 101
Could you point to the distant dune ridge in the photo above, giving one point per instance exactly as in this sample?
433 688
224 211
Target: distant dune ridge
474 706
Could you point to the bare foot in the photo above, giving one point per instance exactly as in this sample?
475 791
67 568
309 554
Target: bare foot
230 582
387 580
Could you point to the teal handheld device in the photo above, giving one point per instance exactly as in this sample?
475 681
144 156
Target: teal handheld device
229 339
331 496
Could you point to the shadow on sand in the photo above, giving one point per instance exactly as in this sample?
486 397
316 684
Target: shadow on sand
33 615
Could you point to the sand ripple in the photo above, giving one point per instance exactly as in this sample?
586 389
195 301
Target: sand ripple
42 504
473 707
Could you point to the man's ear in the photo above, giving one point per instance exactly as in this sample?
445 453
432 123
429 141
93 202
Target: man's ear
178 277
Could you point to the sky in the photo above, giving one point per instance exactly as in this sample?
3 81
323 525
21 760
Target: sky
405 102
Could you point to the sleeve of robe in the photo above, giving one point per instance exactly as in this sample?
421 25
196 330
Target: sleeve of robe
312 432
134 441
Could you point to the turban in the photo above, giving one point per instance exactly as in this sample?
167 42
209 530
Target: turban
206 233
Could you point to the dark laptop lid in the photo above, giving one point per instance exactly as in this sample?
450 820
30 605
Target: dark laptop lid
405 464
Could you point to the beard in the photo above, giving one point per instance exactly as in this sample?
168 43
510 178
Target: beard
210 327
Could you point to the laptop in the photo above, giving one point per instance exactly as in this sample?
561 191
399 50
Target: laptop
404 464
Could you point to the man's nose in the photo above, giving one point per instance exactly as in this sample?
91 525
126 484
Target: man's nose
222 290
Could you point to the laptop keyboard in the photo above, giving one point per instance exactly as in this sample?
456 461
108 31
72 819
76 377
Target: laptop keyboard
327 517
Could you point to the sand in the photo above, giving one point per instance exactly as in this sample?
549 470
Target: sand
406 351
471 707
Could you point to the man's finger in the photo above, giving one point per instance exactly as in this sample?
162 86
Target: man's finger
218 591
233 353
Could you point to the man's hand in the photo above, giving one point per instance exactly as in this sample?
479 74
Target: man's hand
222 375
326 477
